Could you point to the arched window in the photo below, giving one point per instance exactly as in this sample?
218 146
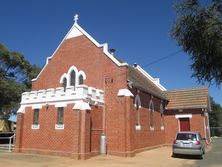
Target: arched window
80 80
72 78
64 83
161 115
151 109
137 104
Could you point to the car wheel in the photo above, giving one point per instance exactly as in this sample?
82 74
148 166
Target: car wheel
174 155
200 156
203 151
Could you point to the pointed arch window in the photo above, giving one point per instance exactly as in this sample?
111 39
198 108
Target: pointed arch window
64 83
161 115
80 80
137 105
72 78
151 109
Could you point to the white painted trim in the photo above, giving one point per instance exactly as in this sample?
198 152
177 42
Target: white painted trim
162 127
62 77
34 126
183 116
74 33
21 109
59 126
80 30
125 92
60 105
156 81
138 127
152 128
82 73
81 105
36 106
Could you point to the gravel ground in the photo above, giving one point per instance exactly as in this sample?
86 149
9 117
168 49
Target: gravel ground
160 157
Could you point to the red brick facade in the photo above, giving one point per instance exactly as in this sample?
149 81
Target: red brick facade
198 122
116 117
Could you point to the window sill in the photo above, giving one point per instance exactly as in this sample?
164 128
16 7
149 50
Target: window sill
138 127
59 126
162 128
152 128
35 126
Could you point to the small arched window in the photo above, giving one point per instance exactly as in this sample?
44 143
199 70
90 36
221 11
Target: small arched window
80 80
161 115
73 78
64 83
138 106
151 109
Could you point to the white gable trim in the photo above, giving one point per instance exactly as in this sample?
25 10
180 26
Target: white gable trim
72 32
156 81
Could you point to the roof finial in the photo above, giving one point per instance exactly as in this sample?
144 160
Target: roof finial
76 17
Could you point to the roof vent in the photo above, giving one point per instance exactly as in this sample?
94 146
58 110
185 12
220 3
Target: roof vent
112 51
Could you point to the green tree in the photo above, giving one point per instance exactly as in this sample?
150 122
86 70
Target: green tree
198 31
215 118
16 74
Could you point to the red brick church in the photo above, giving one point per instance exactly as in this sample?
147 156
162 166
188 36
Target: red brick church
85 93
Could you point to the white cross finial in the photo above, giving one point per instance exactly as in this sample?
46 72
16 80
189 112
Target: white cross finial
76 17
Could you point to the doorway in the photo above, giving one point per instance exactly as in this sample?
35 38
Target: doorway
184 124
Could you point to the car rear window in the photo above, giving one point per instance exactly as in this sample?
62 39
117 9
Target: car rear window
186 136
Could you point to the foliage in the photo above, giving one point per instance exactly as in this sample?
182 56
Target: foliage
198 30
215 117
15 77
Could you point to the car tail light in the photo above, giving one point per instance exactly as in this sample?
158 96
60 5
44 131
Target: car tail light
174 142
198 142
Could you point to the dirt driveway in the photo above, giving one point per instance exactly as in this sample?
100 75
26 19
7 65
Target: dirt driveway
160 157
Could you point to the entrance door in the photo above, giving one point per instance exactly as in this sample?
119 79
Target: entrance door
184 124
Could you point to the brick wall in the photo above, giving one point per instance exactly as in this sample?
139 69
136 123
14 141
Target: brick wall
172 124
101 73
146 137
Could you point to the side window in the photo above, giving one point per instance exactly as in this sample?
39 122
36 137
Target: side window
73 78
36 117
64 84
151 109
161 115
137 105
60 116
80 80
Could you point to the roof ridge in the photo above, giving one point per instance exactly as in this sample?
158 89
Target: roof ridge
187 89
